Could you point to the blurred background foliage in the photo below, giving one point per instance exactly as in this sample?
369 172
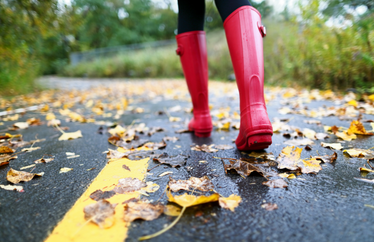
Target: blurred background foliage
324 44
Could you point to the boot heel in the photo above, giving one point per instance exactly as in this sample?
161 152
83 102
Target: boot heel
254 142
202 134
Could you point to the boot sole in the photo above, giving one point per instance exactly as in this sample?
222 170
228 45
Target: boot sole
202 132
258 141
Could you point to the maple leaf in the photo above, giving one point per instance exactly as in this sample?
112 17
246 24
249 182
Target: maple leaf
15 176
357 127
100 213
230 202
278 183
202 184
289 158
142 210
129 185
173 161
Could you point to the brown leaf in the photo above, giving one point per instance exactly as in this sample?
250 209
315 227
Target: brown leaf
142 210
99 195
129 185
156 146
44 160
173 161
15 176
241 167
139 154
5 158
126 167
269 206
115 154
6 150
133 144
278 183
289 158
154 130
204 148
203 184
327 158
100 213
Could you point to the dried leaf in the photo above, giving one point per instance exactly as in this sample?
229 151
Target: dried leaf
132 145
289 158
154 130
357 127
187 200
289 176
115 154
142 210
99 195
16 177
129 185
327 158
30 149
44 160
5 158
21 125
360 153
278 183
12 188
230 202
365 180
335 146
204 148
156 146
139 154
126 167
202 184
173 161
310 165
242 168
345 136
6 150
310 134
71 135
298 142
100 213
365 169
269 206
65 169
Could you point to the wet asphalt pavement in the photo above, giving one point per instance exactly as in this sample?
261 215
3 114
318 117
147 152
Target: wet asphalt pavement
328 206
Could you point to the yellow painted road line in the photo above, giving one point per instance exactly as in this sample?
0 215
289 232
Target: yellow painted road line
73 227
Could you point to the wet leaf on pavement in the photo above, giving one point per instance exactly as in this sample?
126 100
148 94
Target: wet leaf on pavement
99 195
310 165
187 200
172 210
346 136
269 206
173 161
224 147
142 210
360 153
193 183
335 146
70 135
129 185
357 127
12 188
100 213
278 183
327 158
289 158
230 202
172 139
65 169
5 158
16 177
296 142
156 146
6 150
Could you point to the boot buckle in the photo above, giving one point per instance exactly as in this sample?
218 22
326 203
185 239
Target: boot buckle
179 50
262 30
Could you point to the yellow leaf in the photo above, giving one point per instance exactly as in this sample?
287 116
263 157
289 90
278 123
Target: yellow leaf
50 116
174 119
71 135
310 165
345 136
371 97
65 169
335 146
289 158
357 128
289 176
172 210
365 169
187 200
352 103
230 202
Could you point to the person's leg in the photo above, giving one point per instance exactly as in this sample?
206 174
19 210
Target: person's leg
244 33
193 55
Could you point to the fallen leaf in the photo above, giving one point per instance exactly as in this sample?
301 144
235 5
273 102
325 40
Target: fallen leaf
310 165
172 139
21 125
360 153
310 134
100 213
133 144
139 154
173 161
269 206
71 135
357 127
150 188
50 116
297 142
242 168
99 195
202 184
204 148
174 119
54 122
345 136
156 146
30 149
230 202
65 169
327 158
154 130
142 210
6 150
129 185
44 160
15 176
289 176
34 122
172 210
278 183
12 188
5 158
335 146
165 173
322 136
187 200
289 158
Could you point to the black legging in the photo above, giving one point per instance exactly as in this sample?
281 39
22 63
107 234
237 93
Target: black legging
192 12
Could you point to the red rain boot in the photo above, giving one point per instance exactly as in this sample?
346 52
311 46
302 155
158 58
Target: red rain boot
193 55
244 33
